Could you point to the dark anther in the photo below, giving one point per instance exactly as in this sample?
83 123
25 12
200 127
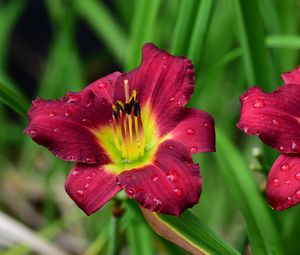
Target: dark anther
128 108
115 114
120 106
137 109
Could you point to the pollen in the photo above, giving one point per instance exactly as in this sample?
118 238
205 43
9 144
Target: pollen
127 126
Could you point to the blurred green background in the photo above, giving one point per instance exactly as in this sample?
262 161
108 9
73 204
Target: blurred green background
48 47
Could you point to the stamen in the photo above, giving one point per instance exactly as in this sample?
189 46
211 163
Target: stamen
128 127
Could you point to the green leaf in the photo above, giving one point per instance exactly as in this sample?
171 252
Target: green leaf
283 41
188 232
263 235
142 29
105 26
200 29
251 37
14 100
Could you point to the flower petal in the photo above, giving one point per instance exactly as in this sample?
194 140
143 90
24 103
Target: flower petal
196 131
166 81
169 184
292 77
104 86
64 126
274 117
90 186
283 186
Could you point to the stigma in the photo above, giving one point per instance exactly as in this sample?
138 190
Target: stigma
128 127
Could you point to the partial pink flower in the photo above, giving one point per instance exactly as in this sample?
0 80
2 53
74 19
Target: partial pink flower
130 131
275 119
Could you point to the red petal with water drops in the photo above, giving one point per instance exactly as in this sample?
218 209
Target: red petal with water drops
166 81
274 117
104 86
292 77
283 186
64 126
169 184
91 187
196 131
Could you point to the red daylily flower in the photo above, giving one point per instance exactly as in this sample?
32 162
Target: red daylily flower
275 119
130 131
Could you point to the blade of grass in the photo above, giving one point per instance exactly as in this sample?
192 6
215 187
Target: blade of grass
13 100
182 32
142 29
105 26
263 235
283 41
202 22
256 59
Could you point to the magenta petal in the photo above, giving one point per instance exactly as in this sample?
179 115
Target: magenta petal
283 187
90 186
104 86
164 80
64 126
196 131
292 77
274 117
169 184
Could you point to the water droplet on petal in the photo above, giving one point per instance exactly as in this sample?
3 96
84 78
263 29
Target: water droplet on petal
68 112
85 120
281 148
90 160
80 192
259 103
102 85
275 122
245 129
244 97
172 176
157 201
73 98
287 182
52 114
56 130
75 172
294 145
290 201
89 105
88 177
131 192
297 176
172 99
171 147
297 194
177 192
154 178
278 207
86 186
190 131
284 167
194 149
276 182
182 101
164 66
32 132
207 125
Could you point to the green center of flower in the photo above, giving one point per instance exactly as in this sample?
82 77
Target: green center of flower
131 137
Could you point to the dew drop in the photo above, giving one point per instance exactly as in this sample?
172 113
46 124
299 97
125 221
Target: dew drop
171 147
172 99
88 177
75 172
90 160
86 186
281 148
52 114
284 167
244 97
275 122
245 129
276 182
80 192
154 178
290 201
102 85
32 132
157 201
164 66
73 98
194 149
56 130
297 194
258 103
89 105
287 182
177 192
207 125
131 192
68 113
297 176
182 101
85 120
294 145
172 176
190 131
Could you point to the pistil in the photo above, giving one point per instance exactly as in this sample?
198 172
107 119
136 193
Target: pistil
128 127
